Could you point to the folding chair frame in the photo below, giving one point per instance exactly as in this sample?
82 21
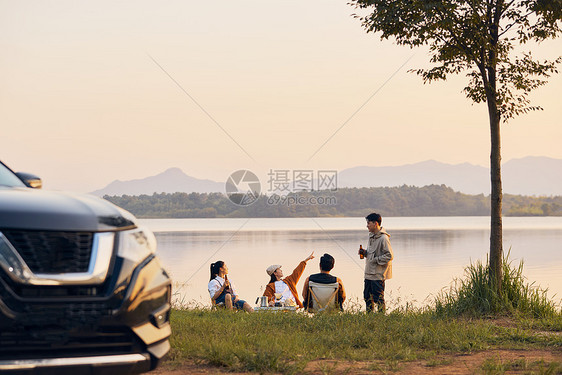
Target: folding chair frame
216 305
328 302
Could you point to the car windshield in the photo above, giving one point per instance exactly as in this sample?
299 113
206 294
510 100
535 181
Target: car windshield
8 178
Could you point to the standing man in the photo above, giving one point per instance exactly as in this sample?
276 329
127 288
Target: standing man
378 263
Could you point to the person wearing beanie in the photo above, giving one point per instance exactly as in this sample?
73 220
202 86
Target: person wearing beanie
286 287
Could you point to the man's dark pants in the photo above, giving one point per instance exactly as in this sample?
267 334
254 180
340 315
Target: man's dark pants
373 293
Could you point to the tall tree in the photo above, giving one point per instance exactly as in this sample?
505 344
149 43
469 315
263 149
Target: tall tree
477 37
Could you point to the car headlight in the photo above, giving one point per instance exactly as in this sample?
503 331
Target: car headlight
137 244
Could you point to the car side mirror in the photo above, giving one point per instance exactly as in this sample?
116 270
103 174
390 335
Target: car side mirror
30 180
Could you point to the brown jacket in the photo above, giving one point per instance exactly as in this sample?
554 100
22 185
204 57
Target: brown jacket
291 282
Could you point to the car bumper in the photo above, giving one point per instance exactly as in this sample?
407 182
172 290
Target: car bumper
122 330
121 364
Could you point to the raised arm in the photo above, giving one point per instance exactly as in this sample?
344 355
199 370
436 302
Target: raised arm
297 272
311 256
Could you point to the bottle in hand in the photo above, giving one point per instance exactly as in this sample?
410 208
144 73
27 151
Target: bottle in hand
361 252
227 284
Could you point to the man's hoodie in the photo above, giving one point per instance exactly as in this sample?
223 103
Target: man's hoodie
378 265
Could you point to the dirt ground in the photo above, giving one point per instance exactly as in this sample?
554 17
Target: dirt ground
452 364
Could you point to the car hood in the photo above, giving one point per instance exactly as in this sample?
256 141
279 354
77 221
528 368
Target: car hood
25 208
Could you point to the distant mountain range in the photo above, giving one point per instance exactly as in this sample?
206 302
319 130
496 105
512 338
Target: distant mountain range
170 181
466 178
525 176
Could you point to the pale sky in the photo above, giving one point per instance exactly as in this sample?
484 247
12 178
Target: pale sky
82 103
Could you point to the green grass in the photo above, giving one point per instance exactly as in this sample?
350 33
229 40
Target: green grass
552 323
497 366
457 323
474 295
285 342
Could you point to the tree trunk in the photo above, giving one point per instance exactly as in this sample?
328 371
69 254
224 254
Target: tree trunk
496 231
496 242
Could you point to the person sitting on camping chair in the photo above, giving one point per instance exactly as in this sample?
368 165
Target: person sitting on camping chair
222 291
323 291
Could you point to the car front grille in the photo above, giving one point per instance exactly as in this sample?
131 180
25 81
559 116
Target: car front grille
49 252
50 326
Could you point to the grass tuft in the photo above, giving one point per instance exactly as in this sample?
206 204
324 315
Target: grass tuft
493 366
474 295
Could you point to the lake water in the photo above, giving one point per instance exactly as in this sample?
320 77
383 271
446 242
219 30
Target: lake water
429 252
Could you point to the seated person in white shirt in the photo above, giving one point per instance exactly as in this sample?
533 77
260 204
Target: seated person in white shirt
222 291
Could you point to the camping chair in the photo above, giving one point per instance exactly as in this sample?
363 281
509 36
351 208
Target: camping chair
215 305
322 297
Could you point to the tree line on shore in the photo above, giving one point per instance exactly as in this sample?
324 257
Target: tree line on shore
431 200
